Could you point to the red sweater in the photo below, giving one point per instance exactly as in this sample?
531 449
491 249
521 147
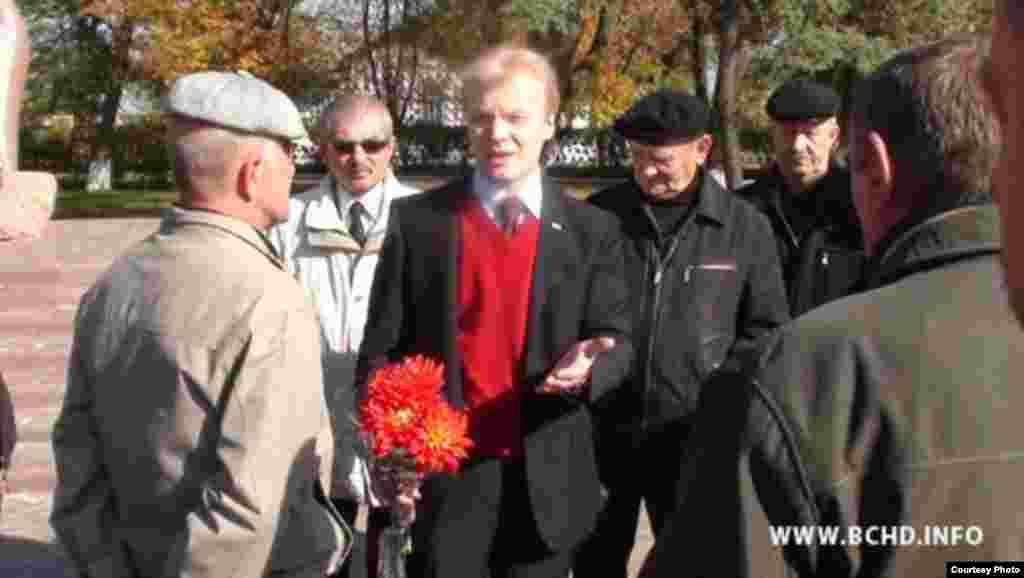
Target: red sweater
495 275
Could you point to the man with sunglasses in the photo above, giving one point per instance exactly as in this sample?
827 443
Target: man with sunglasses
331 243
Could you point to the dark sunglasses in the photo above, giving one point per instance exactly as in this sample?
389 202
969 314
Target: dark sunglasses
369 146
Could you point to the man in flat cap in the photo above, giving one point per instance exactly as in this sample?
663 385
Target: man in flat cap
706 283
194 437
807 197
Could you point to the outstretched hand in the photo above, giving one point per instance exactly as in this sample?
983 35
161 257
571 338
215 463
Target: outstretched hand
573 370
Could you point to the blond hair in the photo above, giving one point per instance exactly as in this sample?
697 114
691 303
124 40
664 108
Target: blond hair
496 64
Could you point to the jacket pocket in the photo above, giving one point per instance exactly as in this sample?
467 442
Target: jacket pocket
714 293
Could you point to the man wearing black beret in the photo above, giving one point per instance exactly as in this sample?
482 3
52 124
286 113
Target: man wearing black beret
807 197
706 283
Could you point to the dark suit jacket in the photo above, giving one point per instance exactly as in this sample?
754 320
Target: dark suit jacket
578 292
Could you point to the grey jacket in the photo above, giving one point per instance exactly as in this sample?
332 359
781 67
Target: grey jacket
894 408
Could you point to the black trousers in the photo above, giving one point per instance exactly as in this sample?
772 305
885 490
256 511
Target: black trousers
362 563
633 469
480 524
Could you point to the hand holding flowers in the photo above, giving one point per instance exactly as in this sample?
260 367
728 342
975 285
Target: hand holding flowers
411 432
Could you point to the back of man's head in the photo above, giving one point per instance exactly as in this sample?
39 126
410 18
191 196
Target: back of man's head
233 135
928 105
204 156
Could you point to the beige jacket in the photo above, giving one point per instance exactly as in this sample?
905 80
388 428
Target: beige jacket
194 422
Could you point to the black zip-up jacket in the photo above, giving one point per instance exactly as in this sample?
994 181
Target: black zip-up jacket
822 260
699 295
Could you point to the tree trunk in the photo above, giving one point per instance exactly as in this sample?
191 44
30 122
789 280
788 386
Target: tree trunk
699 59
729 45
101 165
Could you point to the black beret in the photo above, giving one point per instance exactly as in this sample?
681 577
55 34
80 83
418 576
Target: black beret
802 99
664 117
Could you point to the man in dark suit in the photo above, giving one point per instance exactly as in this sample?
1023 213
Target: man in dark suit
520 291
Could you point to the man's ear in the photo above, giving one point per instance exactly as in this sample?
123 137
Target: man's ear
550 124
249 173
704 147
879 170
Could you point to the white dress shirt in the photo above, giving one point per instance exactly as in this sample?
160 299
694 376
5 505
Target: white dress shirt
491 194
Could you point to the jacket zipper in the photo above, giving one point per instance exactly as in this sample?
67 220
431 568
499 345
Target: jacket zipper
654 306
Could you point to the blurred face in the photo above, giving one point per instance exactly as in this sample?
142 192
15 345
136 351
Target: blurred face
508 125
803 149
1005 93
274 180
663 172
358 151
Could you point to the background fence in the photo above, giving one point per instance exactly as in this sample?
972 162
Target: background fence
141 159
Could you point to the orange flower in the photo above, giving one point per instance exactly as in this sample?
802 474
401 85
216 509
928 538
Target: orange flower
407 420
445 441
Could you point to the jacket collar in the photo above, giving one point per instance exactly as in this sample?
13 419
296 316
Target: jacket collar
711 202
948 236
323 212
489 194
823 198
548 207
712 198
325 227
177 217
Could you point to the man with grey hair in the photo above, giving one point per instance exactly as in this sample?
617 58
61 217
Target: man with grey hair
331 243
894 410
194 435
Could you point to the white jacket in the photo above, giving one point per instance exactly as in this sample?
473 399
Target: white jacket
337 273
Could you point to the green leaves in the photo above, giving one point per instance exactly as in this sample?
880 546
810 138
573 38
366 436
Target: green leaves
544 15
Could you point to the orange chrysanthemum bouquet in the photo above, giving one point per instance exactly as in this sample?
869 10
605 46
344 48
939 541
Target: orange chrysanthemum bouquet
411 431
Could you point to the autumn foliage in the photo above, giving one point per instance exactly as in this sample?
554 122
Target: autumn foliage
167 39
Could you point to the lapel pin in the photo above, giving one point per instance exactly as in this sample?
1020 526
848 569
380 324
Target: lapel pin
556 226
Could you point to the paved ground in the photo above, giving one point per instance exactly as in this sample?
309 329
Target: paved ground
40 283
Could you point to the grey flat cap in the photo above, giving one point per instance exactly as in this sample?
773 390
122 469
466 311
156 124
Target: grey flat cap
237 101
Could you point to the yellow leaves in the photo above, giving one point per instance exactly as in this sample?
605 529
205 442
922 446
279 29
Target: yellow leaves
171 38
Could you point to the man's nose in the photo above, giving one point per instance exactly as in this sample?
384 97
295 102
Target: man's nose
801 142
499 129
